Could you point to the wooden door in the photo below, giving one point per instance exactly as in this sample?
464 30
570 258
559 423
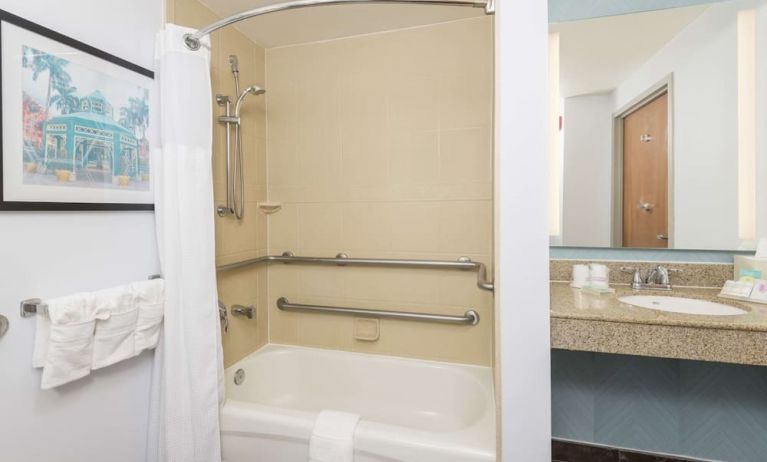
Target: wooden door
645 175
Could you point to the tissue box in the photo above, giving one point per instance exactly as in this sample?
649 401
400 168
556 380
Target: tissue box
750 265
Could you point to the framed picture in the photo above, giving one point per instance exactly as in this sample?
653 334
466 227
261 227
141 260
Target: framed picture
74 124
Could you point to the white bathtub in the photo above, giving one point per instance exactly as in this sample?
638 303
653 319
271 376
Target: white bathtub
412 410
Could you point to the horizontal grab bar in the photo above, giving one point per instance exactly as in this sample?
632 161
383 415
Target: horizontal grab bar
463 263
471 317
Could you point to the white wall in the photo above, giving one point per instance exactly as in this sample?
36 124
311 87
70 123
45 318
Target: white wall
522 253
104 416
703 61
586 214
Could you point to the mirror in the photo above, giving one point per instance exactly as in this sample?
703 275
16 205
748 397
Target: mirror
659 127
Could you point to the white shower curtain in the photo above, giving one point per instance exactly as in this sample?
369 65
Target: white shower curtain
187 385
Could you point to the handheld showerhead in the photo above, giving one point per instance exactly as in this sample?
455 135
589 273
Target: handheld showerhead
234 65
251 90
255 90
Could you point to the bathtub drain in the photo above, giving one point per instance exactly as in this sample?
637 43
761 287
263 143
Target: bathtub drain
239 376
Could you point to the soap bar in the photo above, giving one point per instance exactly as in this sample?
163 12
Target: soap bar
737 289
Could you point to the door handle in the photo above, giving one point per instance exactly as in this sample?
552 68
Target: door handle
645 138
646 206
662 237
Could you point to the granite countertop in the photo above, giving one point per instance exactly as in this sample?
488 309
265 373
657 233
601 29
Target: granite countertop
570 303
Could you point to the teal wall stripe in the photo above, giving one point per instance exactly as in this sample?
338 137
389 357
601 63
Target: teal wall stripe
572 10
680 256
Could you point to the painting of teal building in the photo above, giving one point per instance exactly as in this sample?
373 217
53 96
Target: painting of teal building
82 128
89 142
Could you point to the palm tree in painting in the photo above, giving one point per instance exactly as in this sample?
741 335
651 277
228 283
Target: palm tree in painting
135 116
53 66
65 100
142 113
128 116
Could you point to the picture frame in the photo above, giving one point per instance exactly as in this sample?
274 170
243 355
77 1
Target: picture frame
73 124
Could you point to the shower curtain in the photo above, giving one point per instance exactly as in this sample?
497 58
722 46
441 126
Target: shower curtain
187 384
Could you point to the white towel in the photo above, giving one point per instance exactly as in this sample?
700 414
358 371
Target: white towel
69 309
333 437
64 340
114 338
150 299
87 331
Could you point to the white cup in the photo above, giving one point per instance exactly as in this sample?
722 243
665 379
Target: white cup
599 276
580 276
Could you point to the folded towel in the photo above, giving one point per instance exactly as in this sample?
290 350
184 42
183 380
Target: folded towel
64 340
87 331
333 437
149 297
42 336
71 309
114 336
114 339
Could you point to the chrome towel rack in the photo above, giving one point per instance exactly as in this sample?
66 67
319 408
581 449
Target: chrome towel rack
463 263
471 317
32 306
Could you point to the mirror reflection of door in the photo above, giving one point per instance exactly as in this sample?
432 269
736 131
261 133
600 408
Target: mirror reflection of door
645 175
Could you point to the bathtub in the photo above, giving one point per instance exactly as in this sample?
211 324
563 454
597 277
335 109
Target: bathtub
411 410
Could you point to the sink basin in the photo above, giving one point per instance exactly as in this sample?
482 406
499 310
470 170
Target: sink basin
682 305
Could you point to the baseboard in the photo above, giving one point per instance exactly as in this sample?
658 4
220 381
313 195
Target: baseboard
575 451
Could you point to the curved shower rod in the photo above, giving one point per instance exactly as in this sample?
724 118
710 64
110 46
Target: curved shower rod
192 41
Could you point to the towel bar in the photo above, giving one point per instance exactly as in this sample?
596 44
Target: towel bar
471 317
32 306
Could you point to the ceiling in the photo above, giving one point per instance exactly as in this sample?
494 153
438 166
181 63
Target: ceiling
331 22
598 54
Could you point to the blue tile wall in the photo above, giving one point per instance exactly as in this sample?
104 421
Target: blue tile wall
697 409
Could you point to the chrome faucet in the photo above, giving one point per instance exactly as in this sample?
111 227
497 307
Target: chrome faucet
246 311
237 310
657 278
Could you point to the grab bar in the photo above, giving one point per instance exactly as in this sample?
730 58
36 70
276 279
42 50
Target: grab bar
471 317
463 263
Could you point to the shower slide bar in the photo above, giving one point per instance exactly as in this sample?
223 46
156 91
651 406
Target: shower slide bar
463 263
192 41
470 318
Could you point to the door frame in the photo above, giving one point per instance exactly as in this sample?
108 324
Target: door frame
665 85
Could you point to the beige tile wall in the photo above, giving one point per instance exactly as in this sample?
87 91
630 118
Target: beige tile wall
381 146
237 240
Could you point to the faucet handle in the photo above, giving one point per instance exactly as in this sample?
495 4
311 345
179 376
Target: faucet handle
223 316
660 275
665 272
637 279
